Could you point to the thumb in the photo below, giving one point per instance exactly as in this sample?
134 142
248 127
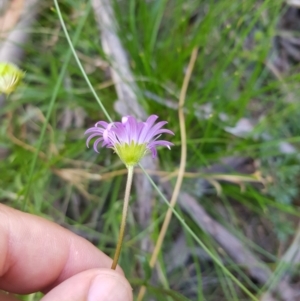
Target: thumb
92 285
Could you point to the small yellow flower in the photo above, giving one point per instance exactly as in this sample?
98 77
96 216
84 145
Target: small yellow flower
10 77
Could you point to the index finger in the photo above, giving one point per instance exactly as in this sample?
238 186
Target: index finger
37 254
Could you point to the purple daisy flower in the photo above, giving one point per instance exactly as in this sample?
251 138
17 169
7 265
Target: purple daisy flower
130 139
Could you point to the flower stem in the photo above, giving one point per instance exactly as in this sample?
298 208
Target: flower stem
124 215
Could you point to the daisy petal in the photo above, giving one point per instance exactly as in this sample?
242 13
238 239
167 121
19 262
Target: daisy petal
130 139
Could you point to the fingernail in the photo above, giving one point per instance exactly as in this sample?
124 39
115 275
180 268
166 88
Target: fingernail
109 287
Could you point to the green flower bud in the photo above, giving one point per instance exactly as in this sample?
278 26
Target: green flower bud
132 153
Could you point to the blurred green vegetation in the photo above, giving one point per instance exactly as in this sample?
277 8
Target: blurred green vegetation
239 75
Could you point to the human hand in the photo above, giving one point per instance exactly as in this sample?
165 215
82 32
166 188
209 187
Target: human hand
38 255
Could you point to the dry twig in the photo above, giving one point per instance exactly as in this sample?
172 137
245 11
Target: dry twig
178 184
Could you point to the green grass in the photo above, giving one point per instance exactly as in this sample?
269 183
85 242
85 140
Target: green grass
235 40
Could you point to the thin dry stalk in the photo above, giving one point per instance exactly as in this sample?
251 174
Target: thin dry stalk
178 184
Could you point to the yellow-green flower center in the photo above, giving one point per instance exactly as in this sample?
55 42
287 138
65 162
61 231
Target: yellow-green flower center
131 153
10 77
